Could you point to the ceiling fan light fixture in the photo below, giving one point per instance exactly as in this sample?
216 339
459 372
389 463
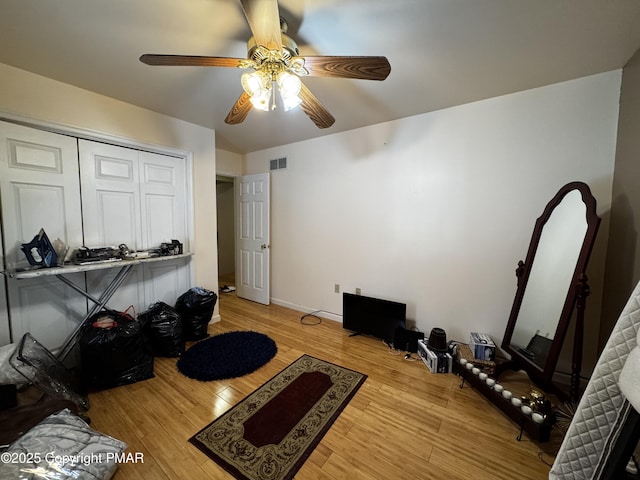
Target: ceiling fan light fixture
289 103
261 101
258 87
289 86
254 83
270 52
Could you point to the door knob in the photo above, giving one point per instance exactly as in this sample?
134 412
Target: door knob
264 246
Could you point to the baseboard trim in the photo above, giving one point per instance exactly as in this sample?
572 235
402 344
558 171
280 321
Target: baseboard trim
322 314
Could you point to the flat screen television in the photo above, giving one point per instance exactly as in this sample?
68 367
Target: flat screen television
372 316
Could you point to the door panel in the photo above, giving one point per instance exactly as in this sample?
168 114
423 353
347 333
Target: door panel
110 195
252 238
46 308
163 192
130 292
39 189
116 219
165 281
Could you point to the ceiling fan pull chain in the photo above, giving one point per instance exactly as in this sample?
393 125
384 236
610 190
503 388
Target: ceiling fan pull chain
273 98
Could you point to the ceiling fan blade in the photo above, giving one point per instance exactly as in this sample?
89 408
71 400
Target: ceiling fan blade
365 68
264 20
240 110
190 60
314 109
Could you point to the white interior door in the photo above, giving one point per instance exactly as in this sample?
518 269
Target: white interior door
252 238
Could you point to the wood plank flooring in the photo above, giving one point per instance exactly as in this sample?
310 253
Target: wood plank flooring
404 422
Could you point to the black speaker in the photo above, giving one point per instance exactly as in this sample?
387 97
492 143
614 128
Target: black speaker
407 340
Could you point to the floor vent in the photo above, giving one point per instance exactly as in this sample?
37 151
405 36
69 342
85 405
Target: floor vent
278 163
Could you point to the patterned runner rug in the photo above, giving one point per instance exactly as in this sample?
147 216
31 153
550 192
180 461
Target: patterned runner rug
270 434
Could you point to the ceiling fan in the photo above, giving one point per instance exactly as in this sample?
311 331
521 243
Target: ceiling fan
275 59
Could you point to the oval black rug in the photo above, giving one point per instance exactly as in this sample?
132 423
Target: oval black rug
228 355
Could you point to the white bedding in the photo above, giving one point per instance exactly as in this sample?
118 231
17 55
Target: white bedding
603 408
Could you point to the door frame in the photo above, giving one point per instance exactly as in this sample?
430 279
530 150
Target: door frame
233 177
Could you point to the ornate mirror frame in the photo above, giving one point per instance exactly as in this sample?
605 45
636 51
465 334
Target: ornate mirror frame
576 292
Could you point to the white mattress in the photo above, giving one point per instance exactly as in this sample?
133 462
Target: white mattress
603 408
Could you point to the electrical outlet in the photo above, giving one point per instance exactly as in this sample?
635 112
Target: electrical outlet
358 291
336 288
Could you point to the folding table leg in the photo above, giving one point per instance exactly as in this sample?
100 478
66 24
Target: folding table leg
99 304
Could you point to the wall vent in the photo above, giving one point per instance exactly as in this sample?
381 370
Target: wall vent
278 163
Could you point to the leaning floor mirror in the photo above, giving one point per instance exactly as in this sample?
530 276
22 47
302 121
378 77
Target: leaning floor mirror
551 286
552 283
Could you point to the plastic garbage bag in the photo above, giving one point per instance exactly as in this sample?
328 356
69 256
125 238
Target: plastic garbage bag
162 326
113 351
195 307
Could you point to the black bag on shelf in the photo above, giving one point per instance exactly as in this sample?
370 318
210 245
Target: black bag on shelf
195 307
113 351
162 326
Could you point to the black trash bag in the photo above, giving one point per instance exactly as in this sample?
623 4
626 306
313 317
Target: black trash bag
113 351
162 326
195 307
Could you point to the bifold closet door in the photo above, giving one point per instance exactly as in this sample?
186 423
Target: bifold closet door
39 188
136 198
111 213
163 197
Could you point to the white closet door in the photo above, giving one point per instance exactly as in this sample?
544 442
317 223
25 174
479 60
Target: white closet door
110 195
139 199
39 188
163 195
163 192
111 213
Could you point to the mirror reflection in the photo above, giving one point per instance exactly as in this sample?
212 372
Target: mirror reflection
550 276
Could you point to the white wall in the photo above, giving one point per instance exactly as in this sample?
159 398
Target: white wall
44 100
436 210
623 256
229 163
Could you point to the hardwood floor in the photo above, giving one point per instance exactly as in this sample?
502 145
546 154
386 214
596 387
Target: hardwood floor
404 423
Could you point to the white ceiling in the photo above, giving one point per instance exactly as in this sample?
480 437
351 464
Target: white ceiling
442 53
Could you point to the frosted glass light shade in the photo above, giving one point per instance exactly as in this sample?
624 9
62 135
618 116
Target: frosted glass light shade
289 86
